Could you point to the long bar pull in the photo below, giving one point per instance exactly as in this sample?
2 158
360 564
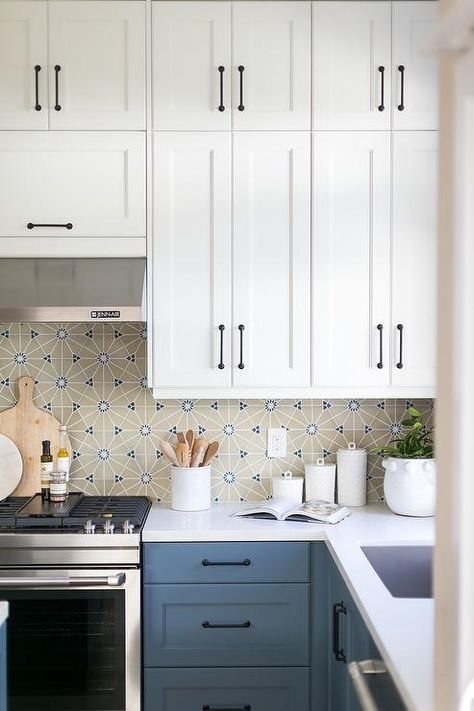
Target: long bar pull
63 581
381 106
400 360
230 625
221 71
241 70
221 365
206 707
401 105
358 672
37 103
337 609
32 225
57 69
380 330
207 562
241 365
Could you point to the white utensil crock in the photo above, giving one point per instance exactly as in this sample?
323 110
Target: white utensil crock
410 486
351 476
288 488
320 481
190 488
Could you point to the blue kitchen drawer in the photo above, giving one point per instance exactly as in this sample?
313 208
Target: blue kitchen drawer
265 689
270 625
226 562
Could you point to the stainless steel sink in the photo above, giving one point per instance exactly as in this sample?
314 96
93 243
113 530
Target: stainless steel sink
406 571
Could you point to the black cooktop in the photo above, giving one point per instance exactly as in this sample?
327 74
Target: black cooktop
23 512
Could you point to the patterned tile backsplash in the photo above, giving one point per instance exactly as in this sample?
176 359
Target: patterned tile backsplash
92 378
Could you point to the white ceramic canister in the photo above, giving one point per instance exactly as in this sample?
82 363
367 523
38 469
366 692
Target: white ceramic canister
351 476
190 488
320 481
288 488
410 486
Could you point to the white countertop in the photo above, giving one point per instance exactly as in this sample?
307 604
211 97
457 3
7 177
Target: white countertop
3 611
403 629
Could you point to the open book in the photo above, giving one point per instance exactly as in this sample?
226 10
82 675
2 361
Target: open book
312 511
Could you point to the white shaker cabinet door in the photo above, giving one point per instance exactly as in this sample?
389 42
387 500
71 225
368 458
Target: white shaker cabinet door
191 260
351 65
97 64
351 253
271 65
414 68
23 65
414 258
72 184
191 66
271 259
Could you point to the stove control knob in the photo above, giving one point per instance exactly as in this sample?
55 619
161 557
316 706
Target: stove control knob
127 527
109 527
89 527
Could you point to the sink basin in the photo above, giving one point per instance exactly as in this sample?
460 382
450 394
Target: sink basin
406 571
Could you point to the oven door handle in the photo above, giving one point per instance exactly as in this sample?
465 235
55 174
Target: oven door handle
114 581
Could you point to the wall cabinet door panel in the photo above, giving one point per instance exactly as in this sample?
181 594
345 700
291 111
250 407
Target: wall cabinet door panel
94 182
271 259
192 253
414 257
351 65
191 58
272 42
351 252
23 46
99 46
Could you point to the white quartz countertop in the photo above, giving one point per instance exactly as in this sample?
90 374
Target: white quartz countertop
3 611
403 629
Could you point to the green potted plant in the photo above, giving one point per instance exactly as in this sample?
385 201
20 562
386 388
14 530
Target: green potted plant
410 469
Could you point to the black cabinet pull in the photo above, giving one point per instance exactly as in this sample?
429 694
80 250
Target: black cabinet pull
221 365
337 609
37 103
401 105
381 106
57 69
241 70
207 562
230 625
206 707
241 365
31 225
380 330
221 71
400 331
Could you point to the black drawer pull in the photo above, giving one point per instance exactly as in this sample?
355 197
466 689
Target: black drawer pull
400 331
221 365
337 609
57 69
221 71
380 330
207 562
401 105
206 707
31 225
381 106
37 103
241 70
241 365
230 625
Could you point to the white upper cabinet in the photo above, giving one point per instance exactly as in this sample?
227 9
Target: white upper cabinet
192 260
192 66
351 259
72 184
97 64
414 69
351 65
271 259
23 65
414 258
271 65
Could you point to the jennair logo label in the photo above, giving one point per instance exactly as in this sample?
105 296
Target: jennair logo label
105 314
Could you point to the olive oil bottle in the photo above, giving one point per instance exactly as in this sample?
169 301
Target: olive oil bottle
46 460
63 459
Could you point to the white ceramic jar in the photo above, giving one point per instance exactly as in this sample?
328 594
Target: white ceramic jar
352 476
320 481
410 486
190 488
288 488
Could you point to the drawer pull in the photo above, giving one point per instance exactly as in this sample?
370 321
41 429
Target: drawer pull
207 562
37 103
381 106
221 71
231 625
57 69
241 70
337 609
31 225
206 707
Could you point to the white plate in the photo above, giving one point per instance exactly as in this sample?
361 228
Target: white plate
11 467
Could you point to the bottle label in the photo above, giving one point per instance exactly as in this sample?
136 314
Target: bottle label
58 488
62 464
46 469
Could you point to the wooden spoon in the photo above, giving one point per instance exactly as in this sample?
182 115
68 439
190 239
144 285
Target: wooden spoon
182 454
190 439
211 452
181 438
200 446
168 450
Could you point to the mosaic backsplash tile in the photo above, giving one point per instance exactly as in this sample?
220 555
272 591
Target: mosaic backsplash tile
92 378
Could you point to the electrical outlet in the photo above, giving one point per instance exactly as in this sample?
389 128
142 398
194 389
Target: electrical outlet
276 442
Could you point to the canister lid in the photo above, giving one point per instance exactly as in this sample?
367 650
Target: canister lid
352 448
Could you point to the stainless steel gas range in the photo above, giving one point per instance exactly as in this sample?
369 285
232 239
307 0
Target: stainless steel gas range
71 573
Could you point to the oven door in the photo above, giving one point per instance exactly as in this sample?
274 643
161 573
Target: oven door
73 639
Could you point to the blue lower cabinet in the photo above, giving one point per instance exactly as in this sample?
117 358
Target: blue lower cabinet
264 689
226 625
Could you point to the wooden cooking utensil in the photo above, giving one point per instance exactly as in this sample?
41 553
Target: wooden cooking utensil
181 438
27 426
183 454
200 446
168 450
211 452
190 439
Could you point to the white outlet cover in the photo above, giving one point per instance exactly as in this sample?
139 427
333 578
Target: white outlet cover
276 441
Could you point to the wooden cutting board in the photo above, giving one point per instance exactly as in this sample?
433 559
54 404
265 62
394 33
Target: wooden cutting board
27 426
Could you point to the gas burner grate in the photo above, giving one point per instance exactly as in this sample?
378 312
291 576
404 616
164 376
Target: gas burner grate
9 509
133 508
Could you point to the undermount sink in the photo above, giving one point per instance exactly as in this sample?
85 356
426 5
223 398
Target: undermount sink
406 571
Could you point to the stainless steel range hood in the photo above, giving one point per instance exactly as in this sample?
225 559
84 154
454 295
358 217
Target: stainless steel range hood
45 290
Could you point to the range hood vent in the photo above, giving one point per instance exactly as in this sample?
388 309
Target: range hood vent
49 290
